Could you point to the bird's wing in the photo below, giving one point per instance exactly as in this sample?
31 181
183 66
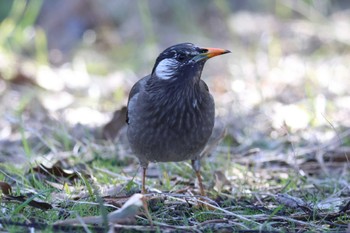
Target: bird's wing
204 85
135 90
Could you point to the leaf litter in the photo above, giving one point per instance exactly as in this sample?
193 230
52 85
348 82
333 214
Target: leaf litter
246 196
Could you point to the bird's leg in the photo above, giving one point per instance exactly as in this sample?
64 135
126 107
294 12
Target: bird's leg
143 191
144 169
196 165
200 183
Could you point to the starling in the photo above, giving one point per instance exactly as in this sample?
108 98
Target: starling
170 113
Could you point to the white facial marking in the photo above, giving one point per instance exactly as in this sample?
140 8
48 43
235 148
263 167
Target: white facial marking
166 68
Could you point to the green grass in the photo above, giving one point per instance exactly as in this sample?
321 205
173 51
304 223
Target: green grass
162 211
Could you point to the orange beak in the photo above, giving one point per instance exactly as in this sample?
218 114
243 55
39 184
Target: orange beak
212 52
209 53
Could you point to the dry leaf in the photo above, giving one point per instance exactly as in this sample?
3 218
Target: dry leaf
292 202
5 188
7 191
21 78
220 181
112 128
217 135
345 207
33 203
331 203
57 171
129 209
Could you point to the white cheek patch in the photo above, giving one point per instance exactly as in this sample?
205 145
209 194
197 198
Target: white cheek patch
166 68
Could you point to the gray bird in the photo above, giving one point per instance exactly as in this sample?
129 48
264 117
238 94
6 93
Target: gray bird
170 113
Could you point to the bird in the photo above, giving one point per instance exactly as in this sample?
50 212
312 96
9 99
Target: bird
170 112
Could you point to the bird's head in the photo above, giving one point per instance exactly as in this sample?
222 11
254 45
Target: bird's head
183 61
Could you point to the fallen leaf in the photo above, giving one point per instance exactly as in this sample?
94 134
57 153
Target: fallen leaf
128 210
293 202
216 137
57 171
345 207
331 203
20 78
29 200
5 188
112 128
220 180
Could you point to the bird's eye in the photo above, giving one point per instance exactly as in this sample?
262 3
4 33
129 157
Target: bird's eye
181 57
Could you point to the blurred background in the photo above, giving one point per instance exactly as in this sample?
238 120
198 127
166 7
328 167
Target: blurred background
66 66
